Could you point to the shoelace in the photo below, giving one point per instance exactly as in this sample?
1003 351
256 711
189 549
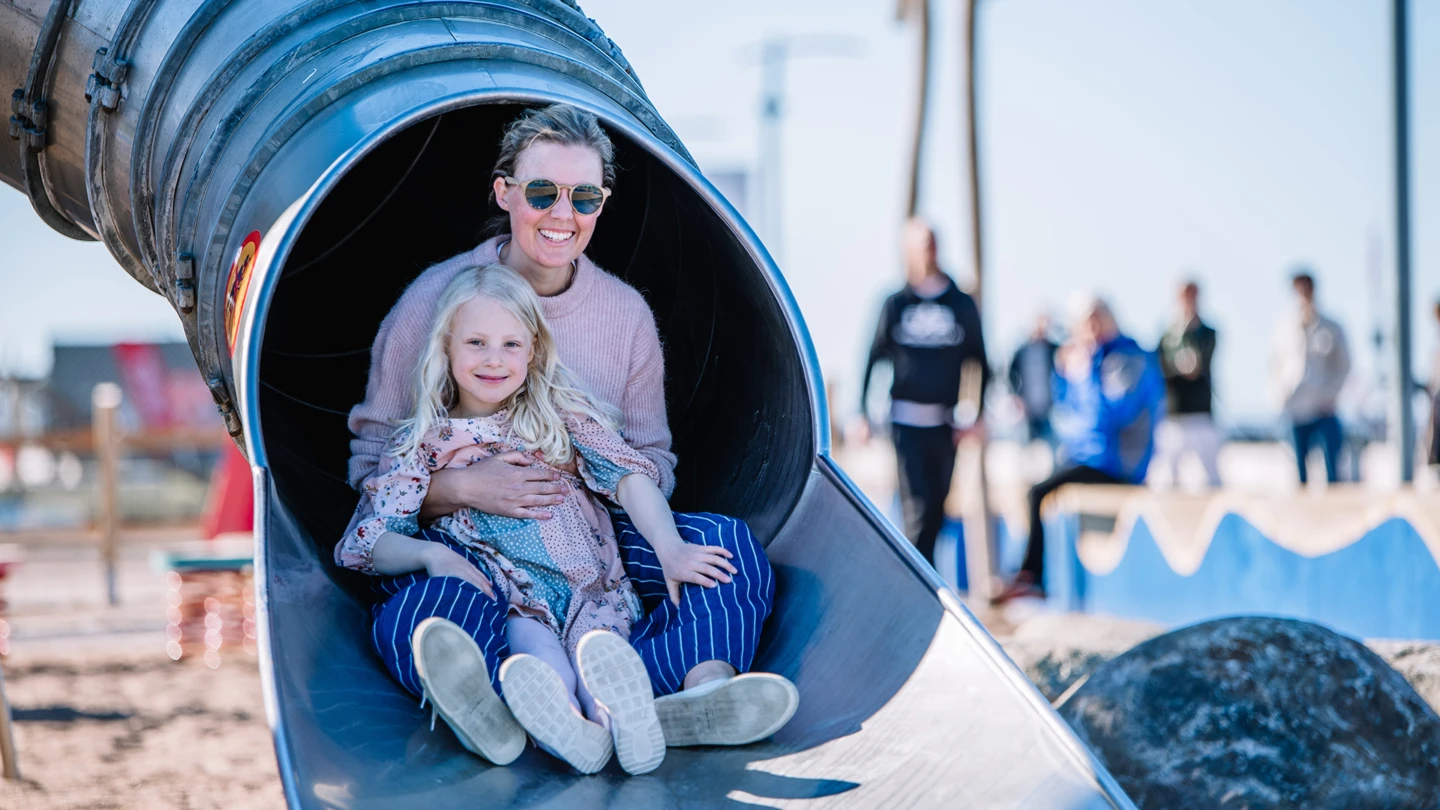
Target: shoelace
434 710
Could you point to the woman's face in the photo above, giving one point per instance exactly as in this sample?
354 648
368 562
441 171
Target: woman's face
557 236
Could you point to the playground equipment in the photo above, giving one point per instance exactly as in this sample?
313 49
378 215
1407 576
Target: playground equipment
1364 563
280 169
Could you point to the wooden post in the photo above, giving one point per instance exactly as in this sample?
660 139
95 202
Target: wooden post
919 11
974 506
8 758
105 404
972 150
979 518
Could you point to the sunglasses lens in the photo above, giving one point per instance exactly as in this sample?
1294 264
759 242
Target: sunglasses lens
541 194
587 199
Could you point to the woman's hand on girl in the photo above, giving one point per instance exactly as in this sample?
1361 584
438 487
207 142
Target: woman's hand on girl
505 484
682 562
443 561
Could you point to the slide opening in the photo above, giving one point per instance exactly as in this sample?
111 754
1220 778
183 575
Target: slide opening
736 393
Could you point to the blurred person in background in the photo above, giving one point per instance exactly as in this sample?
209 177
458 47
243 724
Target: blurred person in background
1032 371
1309 362
927 331
1185 354
1109 397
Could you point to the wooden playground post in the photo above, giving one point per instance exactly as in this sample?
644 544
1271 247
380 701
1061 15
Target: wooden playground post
105 402
976 516
8 758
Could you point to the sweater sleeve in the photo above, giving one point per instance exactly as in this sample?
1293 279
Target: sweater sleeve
879 350
393 357
646 427
389 502
603 458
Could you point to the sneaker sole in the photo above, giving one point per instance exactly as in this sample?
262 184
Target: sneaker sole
540 703
744 709
616 678
456 683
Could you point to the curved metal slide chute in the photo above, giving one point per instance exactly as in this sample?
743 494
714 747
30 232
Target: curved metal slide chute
279 170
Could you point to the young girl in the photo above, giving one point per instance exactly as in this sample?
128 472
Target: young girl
490 383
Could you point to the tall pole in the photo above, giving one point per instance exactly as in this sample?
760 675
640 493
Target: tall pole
774 53
1403 419
978 518
972 116
919 10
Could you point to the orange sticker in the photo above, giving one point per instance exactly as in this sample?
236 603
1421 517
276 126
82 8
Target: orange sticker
237 285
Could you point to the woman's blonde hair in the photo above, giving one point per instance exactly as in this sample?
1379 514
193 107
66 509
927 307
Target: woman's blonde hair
538 406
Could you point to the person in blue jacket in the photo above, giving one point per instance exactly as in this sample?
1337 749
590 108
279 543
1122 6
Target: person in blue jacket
1109 396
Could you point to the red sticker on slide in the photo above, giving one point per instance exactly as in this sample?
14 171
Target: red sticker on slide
237 285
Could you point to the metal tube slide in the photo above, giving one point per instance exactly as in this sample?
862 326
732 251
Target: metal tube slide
280 169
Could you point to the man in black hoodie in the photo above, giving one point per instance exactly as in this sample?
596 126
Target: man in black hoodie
927 331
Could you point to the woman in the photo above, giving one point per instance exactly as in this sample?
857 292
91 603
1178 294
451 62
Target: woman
553 175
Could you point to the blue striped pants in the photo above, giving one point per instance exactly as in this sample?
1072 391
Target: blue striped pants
721 623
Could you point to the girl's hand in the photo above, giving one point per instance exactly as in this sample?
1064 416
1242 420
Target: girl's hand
683 562
442 561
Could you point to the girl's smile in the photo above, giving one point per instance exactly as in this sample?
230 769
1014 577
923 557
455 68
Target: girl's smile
490 353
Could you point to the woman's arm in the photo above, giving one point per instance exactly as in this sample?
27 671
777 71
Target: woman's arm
643 402
505 484
681 562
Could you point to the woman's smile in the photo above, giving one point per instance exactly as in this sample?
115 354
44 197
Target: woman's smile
550 240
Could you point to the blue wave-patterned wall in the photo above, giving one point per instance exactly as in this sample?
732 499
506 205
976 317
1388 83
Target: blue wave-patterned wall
1384 585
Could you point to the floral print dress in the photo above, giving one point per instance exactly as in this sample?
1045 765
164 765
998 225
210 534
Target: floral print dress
565 571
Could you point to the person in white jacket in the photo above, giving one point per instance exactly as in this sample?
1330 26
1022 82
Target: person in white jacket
1309 364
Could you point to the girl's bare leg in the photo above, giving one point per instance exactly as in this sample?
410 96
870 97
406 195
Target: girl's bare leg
706 672
531 637
545 700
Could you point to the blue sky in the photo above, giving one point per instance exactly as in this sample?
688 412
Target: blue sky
1127 143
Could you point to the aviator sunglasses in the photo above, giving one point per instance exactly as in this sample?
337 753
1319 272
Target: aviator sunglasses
585 198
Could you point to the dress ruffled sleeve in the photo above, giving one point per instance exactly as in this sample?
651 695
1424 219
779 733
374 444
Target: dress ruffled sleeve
389 502
603 457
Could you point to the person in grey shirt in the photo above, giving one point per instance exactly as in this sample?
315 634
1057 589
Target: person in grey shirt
1031 372
1309 362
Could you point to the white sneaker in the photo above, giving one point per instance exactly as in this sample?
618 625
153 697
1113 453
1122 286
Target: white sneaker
730 711
456 683
616 677
541 703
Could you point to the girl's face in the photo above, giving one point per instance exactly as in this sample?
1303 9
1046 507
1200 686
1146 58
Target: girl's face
490 352
555 237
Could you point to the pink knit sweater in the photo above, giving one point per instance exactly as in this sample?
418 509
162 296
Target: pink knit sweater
605 332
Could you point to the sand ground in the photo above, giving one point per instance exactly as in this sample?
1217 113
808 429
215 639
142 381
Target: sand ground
103 718
117 724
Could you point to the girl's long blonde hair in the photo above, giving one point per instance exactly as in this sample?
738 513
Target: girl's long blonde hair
538 406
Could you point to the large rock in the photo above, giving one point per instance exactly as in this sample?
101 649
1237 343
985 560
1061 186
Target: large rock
1259 713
